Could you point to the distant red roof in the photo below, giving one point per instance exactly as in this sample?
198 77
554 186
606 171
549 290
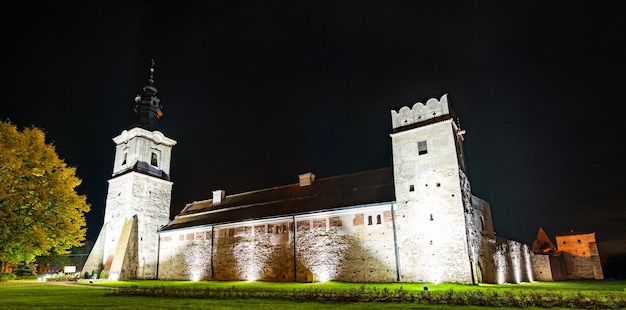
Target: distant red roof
542 243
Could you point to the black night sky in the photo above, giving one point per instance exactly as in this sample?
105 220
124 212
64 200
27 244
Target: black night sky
258 92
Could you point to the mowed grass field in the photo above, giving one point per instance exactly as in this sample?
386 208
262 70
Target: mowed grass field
85 295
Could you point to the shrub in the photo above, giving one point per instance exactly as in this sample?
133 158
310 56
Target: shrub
6 276
61 277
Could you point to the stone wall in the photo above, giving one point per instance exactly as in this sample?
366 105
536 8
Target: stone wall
151 200
580 254
431 222
512 262
577 258
139 196
558 267
185 255
369 248
541 267
582 267
355 245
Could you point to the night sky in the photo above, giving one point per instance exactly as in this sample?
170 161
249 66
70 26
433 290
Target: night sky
258 92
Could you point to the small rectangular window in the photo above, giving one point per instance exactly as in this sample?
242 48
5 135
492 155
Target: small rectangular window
124 161
153 160
369 220
411 188
378 219
422 148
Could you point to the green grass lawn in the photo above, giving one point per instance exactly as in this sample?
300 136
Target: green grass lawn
41 295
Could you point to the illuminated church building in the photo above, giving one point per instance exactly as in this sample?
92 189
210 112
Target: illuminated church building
417 221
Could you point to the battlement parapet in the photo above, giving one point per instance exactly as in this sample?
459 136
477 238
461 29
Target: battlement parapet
420 112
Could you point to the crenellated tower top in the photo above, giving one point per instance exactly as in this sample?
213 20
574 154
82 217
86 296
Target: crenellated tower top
432 110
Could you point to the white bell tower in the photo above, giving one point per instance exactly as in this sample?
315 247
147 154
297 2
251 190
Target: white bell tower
139 196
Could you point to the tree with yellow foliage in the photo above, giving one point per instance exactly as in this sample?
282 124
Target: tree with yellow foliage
40 210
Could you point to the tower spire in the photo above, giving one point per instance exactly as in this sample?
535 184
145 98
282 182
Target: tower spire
148 107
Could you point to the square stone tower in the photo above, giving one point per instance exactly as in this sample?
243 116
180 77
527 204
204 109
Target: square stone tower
139 196
432 194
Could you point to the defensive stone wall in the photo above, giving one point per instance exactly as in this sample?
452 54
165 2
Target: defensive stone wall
512 262
541 267
185 255
582 267
479 231
558 266
580 254
355 245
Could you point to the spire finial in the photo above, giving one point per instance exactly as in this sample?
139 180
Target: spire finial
150 89
152 71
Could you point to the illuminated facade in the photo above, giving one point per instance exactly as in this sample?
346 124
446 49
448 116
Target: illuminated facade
414 222
139 196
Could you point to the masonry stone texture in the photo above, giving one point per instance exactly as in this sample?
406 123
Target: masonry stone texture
417 221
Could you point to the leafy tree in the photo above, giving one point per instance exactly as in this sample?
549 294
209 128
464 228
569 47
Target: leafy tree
40 209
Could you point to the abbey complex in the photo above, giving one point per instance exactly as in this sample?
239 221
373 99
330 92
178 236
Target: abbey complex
417 221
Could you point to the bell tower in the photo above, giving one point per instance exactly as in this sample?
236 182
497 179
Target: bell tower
139 195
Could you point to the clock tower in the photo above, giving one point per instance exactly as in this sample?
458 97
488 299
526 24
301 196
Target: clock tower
139 195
